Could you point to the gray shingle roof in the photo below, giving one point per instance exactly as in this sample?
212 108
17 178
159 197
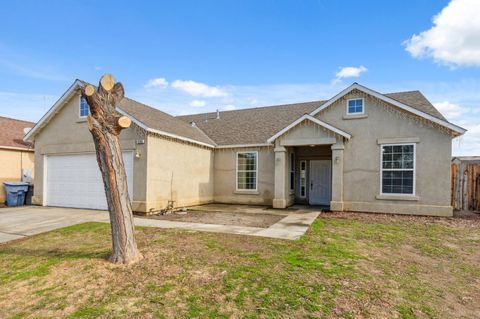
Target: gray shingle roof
246 126
256 125
250 126
417 100
161 121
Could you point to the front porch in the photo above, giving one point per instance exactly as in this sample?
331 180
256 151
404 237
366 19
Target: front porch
309 165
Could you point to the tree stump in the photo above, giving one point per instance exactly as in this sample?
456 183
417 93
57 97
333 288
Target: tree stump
105 125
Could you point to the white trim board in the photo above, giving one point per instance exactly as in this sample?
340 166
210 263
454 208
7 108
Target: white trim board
52 111
71 90
13 148
151 130
243 145
455 128
246 191
355 113
414 170
312 119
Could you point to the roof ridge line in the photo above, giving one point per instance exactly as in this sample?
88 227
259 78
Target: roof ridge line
400 92
254 108
206 135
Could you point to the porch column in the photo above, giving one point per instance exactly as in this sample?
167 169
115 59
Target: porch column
280 199
337 176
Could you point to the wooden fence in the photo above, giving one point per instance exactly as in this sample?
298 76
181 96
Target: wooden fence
466 186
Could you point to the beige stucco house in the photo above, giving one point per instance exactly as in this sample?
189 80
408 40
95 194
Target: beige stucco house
359 151
16 156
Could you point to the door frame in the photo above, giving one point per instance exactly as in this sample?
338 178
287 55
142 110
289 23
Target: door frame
310 180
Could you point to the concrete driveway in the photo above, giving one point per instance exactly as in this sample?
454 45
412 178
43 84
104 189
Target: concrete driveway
19 222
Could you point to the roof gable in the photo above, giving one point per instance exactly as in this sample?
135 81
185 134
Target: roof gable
418 100
245 127
148 118
249 126
314 120
416 111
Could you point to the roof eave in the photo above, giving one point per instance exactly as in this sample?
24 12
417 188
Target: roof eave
29 137
15 148
312 119
155 131
457 130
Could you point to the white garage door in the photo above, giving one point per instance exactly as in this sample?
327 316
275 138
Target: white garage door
76 181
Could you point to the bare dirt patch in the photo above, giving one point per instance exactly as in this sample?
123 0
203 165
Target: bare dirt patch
222 218
348 265
459 219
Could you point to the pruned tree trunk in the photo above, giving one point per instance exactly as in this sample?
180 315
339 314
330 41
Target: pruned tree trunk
105 125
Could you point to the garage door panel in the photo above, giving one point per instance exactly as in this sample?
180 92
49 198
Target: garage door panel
76 181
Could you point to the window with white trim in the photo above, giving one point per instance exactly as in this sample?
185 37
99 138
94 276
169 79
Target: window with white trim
355 106
398 169
303 179
84 108
247 171
292 171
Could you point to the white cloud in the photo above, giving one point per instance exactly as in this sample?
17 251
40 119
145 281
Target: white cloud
198 89
450 110
454 38
160 83
350 72
229 107
198 103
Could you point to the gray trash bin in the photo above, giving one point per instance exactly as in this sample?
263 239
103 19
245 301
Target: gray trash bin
29 195
16 193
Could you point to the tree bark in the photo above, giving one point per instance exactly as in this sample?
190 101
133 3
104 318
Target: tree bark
105 125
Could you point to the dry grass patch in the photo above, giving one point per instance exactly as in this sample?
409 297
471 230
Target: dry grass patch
346 266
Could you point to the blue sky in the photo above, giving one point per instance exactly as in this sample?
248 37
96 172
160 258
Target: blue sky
197 56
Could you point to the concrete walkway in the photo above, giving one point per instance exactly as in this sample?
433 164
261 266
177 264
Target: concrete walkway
20 222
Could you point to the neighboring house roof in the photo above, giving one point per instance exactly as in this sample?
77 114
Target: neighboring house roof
12 132
257 125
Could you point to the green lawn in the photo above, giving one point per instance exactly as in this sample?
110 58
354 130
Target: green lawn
346 266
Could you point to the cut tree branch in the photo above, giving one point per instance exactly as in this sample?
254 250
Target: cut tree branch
105 125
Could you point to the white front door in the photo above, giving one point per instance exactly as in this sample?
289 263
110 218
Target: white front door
320 182
75 181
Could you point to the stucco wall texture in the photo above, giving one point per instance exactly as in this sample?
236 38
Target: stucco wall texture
361 171
165 169
12 162
178 172
66 134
